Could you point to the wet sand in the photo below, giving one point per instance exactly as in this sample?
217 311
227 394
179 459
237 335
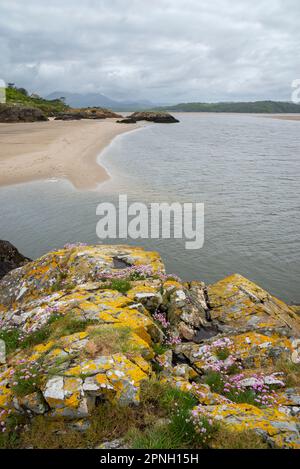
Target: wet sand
287 117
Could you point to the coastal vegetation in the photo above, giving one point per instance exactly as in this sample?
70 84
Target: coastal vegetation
20 97
22 107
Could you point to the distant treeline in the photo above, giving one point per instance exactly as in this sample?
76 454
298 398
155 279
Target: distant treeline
270 107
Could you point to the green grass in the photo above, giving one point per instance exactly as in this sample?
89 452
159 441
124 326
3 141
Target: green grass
68 325
215 381
247 396
173 406
56 327
11 339
290 370
108 339
241 396
222 353
161 421
107 422
110 421
247 439
121 285
159 348
10 438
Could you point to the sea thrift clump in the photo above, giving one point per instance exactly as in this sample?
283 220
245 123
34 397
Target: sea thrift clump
171 337
261 392
255 389
132 272
204 426
26 378
209 355
4 413
136 272
74 245
162 319
166 277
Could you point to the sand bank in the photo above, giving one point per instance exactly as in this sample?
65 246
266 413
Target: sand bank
288 117
56 149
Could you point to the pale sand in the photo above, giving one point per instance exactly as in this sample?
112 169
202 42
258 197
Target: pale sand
56 149
287 118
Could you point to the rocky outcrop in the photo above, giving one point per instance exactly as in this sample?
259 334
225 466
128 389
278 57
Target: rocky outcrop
153 116
91 324
69 116
86 113
10 258
127 120
14 113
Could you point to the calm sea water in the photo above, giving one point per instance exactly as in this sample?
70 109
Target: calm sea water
246 170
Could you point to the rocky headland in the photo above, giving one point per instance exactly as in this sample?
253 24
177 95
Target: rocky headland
19 113
99 338
12 113
86 113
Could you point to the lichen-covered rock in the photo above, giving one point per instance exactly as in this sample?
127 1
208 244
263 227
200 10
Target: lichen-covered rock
188 311
88 324
273 425
237 304
57 272
250 350
74 289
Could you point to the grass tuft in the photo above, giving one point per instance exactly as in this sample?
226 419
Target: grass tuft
247 439
290 370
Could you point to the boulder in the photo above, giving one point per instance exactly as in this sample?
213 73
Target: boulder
69 116
127 120
153 116
13 113
10 258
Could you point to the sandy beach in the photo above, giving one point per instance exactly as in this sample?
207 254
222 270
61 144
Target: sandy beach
287 117
56 149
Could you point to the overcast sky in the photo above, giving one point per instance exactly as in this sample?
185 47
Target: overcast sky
160 50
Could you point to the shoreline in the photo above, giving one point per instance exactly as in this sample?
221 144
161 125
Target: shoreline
64 150
57 150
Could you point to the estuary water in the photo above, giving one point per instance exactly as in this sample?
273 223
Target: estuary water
244 168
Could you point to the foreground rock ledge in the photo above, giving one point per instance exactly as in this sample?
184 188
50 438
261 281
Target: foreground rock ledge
123 303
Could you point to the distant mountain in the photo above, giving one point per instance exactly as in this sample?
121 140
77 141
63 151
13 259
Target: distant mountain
97 99
269 107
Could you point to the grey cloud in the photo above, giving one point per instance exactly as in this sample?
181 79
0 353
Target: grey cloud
163 50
